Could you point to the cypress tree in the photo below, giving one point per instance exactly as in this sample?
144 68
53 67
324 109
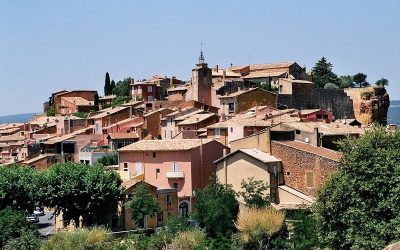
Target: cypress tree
96 102
112 86
107 85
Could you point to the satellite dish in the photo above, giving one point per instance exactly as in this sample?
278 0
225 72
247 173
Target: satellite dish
307 140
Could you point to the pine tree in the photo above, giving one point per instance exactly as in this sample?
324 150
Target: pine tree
322 73
107 85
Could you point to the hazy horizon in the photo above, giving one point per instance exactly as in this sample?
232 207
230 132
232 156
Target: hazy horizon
46 46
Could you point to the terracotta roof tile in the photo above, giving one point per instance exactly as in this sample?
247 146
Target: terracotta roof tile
165 145
324 152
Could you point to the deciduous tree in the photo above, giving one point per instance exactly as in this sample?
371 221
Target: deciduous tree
361 79
255 193
18 188
216 208
79 190
143 203
358 208
122 88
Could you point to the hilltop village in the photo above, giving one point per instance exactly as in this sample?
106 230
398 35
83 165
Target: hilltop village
175 134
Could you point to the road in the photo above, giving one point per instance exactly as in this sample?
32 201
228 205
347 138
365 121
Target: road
46 223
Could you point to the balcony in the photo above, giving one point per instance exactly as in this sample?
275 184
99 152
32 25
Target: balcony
176 175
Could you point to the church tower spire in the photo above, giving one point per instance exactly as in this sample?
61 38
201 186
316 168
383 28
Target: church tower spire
201 57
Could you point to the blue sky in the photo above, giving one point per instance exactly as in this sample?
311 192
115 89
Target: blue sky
51 45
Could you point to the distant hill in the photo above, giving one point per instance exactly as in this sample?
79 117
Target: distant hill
17 118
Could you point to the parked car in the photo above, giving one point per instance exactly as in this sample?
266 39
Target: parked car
34 218
39 211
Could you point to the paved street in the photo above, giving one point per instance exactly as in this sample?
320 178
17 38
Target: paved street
46 225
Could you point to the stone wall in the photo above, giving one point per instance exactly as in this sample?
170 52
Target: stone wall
298 165
367 105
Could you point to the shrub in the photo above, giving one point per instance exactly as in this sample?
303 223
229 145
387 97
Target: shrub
50 112
330 86
28 240
13 225
259 225
81 239
189 240
108 159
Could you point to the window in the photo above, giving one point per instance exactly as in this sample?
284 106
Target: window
325 116
175 185
310 179
160 219
217 133
288 173
231 129
319 117
157 173
139 90
150 98
154 154
231 107
138 167
149 89
168 199
298 132
175 167
125 166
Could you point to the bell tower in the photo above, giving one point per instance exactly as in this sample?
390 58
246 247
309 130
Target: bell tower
202 80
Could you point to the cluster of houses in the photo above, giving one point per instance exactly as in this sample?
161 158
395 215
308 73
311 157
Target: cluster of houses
173 135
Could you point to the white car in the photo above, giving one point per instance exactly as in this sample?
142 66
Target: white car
39 211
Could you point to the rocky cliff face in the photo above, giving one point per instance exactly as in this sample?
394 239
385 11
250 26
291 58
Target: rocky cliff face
370 104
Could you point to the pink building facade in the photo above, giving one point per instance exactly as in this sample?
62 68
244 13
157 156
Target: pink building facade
185 169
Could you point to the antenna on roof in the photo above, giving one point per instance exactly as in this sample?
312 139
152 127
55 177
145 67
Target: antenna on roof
201 58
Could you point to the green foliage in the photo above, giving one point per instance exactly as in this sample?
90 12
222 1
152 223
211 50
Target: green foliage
112 85
346 81
119 100
255 193
50 112
361 80
80 114
79 190
107 85
216 208
122 88
81 239
358 206
13 224
28 240
382 82
267 87
139 98
143 203
109 159
305 235
18 187
193 239
322 73
330 86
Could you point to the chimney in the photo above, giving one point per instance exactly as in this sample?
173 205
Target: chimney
216 68
132 81
224 74
171 82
